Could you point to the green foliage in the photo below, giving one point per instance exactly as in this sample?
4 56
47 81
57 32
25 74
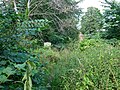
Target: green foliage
63 15
94 67
24 65
89 43
114 42
92 21
17 36
112 20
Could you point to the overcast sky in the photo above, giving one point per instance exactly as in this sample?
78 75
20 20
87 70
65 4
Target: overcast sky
94 3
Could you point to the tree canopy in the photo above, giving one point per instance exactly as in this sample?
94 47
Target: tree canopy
112 19
92 21
63 16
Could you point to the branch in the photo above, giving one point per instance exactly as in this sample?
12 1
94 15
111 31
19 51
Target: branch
15 7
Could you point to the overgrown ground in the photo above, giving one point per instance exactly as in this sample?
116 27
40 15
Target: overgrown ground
92 64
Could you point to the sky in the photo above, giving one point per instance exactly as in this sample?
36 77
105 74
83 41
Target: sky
94 3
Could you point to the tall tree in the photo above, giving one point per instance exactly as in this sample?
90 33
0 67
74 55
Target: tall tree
92 21
112 19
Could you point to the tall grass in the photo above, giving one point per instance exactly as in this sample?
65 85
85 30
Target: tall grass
87 65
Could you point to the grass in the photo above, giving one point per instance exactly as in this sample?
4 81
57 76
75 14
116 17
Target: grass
87 65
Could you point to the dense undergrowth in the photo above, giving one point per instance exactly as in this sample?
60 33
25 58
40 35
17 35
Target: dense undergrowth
88 65
91 64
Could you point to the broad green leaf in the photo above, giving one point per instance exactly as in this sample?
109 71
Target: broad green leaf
3 62
3 78
1 69
8 71
21 66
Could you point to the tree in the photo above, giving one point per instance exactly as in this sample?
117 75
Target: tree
92 21
63 16
112 19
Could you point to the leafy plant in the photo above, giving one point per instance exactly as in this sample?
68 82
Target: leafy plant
16 29
27 78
